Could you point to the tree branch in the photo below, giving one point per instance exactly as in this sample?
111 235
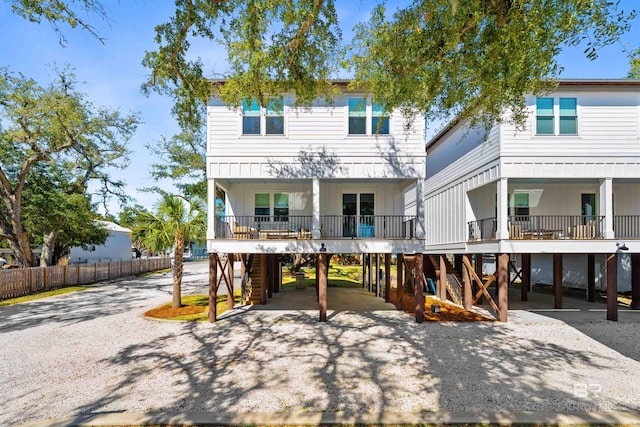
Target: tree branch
302 31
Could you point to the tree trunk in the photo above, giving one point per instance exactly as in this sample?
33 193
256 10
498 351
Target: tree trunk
299 261
47 248
19 243
178 250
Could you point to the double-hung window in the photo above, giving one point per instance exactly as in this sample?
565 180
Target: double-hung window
518 205
250 118
565 109
568 116
275 117
263 121
357 116
544 116
281 206
262 208
367 118
379 119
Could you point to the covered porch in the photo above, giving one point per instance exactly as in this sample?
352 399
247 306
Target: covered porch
555 209
306 209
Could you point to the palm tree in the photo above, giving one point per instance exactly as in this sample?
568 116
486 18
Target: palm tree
174 221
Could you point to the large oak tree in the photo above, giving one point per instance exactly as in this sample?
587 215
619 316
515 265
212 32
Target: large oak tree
53 125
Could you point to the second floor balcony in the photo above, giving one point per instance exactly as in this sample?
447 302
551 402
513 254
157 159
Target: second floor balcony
300 227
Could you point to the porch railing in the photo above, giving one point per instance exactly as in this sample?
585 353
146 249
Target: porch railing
368 226
627 226
331 226
575 227
482 229
245 227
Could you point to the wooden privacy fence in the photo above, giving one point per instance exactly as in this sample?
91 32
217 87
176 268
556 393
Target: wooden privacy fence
24 281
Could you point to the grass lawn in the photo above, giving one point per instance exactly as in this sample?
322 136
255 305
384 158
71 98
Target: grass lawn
44 294
340 276
194 308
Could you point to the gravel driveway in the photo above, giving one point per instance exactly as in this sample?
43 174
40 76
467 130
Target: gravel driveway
92 352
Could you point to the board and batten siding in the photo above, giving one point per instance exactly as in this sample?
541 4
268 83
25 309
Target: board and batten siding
457 145
448 209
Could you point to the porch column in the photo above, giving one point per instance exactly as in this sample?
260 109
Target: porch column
370 276
612 287
377 275
606 207
230 260
419 288
317 278
269 275
503 285
525 285
387 277
211 208
557 280
321 272
478 268
635 281
364 269
466 279
591 278
442 280
502 221
399 280
315 220
420 220
212 314
263 278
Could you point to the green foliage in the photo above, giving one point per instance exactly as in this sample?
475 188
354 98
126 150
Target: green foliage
74 142
476 58
55 204
173 216
182 159
40 295
58 11
634 72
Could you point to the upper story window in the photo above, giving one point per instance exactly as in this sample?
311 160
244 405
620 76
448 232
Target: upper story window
366 118
568 116
379 119
567 110
263 121
357 116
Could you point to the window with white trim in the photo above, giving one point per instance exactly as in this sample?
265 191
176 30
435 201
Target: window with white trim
367 118
547 109
263 121
266 203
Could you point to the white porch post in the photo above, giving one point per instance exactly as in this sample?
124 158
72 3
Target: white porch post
211 208
502 220
315 221
606 207
421 220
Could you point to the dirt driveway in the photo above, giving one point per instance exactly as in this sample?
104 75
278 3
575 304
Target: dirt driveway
93 352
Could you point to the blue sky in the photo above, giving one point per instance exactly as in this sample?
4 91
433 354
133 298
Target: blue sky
113 72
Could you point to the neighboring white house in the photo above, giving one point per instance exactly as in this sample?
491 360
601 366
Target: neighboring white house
568 184
117 247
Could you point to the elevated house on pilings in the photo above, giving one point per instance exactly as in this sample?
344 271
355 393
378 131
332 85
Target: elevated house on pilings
558 200
331 178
